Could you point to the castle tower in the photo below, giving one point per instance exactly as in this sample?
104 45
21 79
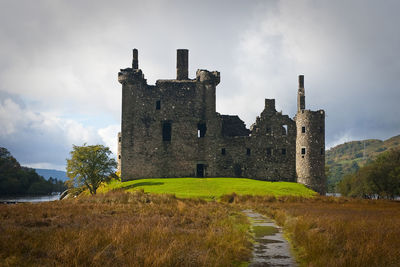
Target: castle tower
310 144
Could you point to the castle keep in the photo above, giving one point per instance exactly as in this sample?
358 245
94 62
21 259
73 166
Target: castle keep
172 129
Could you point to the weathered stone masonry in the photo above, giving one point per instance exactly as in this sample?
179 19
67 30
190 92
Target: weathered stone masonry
172 129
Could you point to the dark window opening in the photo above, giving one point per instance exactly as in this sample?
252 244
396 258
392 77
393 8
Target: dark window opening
283 151
119 156
248 151
166 131
322 151
268 130
200 170
321 129
303 129
119 139
223 152
303 150
284 129
158 104
269 151
201 130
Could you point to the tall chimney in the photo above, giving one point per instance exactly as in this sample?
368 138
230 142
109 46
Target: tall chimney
301 94
135 59
301 81
182 64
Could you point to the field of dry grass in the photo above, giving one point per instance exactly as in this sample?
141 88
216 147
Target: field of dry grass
328 231
123 229
140 229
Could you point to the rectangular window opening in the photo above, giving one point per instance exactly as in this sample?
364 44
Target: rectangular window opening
284 129
201 130
269 151
166 131
223 152
283 151
158 104
248 151
303 150
303 129
119 139
322 151
268 130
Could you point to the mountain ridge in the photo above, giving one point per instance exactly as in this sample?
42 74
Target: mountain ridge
47 173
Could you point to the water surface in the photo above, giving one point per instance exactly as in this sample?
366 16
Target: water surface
270 248
32 199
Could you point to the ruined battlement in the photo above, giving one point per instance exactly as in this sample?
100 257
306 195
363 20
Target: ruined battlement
172 129
130 76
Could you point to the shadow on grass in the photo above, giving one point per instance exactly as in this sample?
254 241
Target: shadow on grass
141 184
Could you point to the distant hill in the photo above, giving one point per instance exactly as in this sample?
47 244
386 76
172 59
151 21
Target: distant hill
349 157
47 173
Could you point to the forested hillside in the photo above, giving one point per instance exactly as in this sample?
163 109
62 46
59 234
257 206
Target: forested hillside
347 158
18 180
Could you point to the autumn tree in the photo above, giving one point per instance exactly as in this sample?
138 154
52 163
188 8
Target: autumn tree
89 166
380 178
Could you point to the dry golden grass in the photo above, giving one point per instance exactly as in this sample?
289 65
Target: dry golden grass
123 229
139 229
328 231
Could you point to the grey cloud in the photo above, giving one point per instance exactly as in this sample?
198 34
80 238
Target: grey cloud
62 57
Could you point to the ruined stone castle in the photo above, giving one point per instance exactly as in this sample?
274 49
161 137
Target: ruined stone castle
172 129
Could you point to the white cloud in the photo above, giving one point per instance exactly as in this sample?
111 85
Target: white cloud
44 165
48 138
340 139
109 136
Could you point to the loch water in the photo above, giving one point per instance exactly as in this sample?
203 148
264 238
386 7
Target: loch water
31 199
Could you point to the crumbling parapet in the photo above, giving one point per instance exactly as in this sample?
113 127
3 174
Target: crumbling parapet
134 74
208 77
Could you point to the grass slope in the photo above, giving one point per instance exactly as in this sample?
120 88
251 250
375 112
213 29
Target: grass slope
212 188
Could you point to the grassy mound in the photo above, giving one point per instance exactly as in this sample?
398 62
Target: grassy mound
212 188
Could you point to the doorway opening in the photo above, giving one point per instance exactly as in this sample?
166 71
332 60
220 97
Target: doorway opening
200 170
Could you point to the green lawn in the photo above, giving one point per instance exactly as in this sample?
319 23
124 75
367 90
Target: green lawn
211 188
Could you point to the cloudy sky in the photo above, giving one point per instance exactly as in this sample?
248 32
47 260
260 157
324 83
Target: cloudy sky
59 62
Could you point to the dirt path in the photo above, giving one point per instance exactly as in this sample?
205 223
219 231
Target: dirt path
271 248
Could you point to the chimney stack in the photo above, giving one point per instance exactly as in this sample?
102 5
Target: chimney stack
301 81
301 94
135 59
182 64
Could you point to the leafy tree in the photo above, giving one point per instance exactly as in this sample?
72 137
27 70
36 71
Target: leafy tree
379 178
89 166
